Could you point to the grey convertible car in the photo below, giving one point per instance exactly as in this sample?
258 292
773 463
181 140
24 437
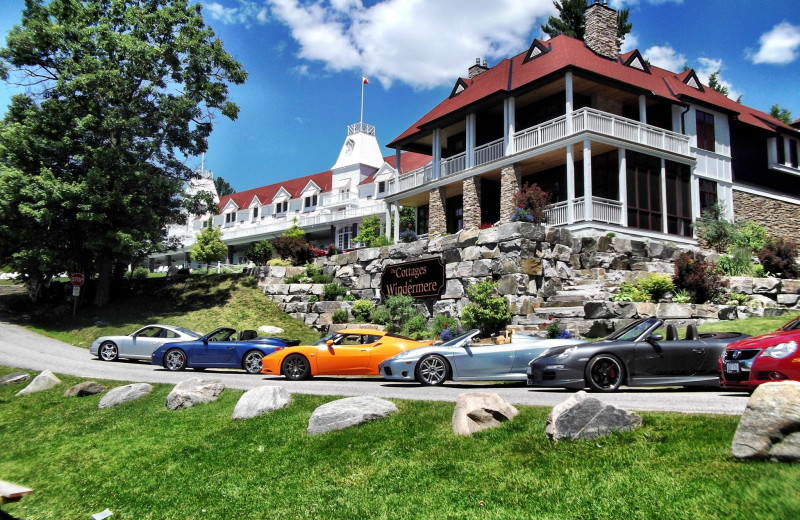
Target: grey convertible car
460 359
635 356
139 344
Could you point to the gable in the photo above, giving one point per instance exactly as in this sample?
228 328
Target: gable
281 195
636 61
459 87
536 49
693 81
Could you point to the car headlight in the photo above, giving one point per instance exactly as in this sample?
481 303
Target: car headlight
781 350
555 367
566 353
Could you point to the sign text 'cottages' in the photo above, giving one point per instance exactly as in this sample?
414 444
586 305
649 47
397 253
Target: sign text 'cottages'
418 279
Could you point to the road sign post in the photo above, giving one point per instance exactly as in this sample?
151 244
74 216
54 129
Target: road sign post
77 280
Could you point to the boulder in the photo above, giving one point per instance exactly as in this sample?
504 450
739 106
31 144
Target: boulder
674 311
584 417
14 378
598 309
123 394
770 425
84 389
261 400
44 381
194 391
766 285
343 413
478 411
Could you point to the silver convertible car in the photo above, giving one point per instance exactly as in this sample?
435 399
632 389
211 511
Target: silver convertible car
462 360
140 344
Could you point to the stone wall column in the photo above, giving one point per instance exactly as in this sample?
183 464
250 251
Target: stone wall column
437 220
509 185
472 202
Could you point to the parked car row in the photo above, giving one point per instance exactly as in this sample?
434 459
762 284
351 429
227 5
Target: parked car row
633 356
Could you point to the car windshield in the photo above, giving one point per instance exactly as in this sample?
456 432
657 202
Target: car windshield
461 339
792 325
221 335
634 330
188 332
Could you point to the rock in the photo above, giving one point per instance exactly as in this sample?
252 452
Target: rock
770 425
584 417
44 381
14 378
645 309
790 286
194 391
674 311
84 389
123 394
478 411
598 309
343 413
270 329
261 400
766 285
727 312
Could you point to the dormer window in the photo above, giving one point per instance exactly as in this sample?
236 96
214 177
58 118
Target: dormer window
693 81
638 62
282 207
255 213
536 49
382 187
230 217
311 201
459 87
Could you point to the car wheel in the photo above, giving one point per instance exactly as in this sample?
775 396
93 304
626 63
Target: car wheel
432 370
604 373
295 367
174 360
251 362
108 351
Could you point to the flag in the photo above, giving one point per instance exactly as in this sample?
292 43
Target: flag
364 80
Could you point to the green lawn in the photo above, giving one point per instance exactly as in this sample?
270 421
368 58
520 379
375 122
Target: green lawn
201 303
143 461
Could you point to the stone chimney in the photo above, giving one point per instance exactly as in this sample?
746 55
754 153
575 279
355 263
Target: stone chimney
478 68
601 29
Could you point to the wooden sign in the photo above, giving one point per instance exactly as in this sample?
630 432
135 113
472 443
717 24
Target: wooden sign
418 279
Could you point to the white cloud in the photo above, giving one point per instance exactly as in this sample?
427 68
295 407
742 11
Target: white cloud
629 43
665 57
779 46
422 43
709 66
245 13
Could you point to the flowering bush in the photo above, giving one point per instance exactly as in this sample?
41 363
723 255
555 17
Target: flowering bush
701 278
332 250
778 257
408 236
485 225
530 204
556 332
451 330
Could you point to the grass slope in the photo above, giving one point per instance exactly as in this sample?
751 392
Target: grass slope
200 303
143 461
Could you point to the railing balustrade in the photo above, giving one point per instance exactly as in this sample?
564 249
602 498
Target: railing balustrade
489 152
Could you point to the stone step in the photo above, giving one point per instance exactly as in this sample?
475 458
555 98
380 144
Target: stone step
564 303
560 312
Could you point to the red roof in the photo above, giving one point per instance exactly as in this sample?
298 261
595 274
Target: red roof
567 52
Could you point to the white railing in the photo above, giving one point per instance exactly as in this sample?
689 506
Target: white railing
629 130
489 152
360 128
454 164
606 210
557 214
603 210
578 207
540 134
330 199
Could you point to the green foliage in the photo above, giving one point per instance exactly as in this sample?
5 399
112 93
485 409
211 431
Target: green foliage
348 298
758 271
443 322
682 296
294 249
408 217
487 310
737 263
714 229
312 274
332 292
140 273
261 252
200 203
279 262
751 235
380 315
736 298
223 187
370 232
396 311
294 231
656 285
116 96
778 257
298 278
339 316
416 327
571 21
362 310
714 84
629 292
781 114
698 276
209 246
313 298
530 203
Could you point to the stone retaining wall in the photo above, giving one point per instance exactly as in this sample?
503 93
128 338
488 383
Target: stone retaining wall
780 218
545 274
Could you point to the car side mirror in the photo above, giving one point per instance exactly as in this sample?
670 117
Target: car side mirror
654 337
329 342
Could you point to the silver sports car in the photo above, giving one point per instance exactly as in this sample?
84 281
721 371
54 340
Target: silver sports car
140 344
462 360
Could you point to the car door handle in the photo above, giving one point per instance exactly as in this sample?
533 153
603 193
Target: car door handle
363 350
698 350
230 348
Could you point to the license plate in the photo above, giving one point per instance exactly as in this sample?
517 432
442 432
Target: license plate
732 368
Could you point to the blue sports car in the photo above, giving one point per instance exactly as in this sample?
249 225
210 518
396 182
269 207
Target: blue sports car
460 359
221 348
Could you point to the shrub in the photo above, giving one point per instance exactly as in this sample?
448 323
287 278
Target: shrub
298 278
140 273
556 332
629 292
339 316
656 286
750 235
699 277
408 236
714 229
401 309
279 262
332 250
380 315
370 232
682 296
294 231
293 248
778 258
332 291
487 311
453 330
736 298
348 297
445 327
416 327
362 310
758 271
313 298
261 252
530 203
737 263
315 274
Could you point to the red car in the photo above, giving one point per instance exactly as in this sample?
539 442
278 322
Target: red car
770 357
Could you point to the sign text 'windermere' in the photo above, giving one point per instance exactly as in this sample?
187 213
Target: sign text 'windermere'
418 279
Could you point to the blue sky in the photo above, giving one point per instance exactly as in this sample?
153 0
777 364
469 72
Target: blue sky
306 59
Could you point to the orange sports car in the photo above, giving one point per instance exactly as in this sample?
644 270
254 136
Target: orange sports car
343 353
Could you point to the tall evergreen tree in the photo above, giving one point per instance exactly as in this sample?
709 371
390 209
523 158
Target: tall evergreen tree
118 93
781 114
714 84
223 187
571 20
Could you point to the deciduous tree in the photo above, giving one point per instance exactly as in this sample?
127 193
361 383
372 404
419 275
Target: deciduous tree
209 246
118 93
781 114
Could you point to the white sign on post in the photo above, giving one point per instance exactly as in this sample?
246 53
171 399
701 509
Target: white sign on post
76 290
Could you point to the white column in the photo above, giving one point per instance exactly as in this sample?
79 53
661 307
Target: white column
694 199
396 222
397 170
470 155
623 187
642 109
387 229
509 125
664 195
587 179
570 186
568 108
437 153
787 149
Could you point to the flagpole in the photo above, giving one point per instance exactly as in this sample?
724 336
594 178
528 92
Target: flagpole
362 102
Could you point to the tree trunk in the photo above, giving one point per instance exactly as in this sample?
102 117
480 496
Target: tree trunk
103 292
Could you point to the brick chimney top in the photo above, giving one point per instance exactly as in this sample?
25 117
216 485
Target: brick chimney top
601 29
478 68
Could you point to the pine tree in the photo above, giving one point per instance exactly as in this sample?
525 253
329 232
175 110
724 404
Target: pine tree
571 21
